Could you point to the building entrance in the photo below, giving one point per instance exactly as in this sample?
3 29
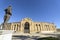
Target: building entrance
27 27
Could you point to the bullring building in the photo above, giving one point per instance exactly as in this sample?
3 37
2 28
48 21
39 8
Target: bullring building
26 25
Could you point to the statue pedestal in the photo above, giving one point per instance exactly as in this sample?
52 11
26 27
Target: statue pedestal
6 34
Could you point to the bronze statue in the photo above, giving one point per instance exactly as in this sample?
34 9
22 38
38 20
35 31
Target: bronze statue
7 16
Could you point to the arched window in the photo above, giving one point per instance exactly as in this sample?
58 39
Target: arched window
39 24
36 25
40 27
47 27
14 27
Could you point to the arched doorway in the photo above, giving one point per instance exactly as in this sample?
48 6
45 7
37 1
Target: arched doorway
26 27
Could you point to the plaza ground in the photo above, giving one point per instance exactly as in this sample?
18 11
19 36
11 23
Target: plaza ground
27 36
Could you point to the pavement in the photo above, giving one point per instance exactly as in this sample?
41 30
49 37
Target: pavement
33 36
23 38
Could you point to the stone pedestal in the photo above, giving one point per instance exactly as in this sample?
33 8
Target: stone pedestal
6 34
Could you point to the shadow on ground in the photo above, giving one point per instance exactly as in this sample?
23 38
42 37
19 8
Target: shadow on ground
33 38
48 38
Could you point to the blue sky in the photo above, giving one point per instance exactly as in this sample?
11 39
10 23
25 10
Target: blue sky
37 10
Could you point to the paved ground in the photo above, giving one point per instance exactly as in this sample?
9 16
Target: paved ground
34 36
27 38
23 38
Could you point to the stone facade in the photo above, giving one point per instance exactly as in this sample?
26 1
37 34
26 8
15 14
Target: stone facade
26 25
